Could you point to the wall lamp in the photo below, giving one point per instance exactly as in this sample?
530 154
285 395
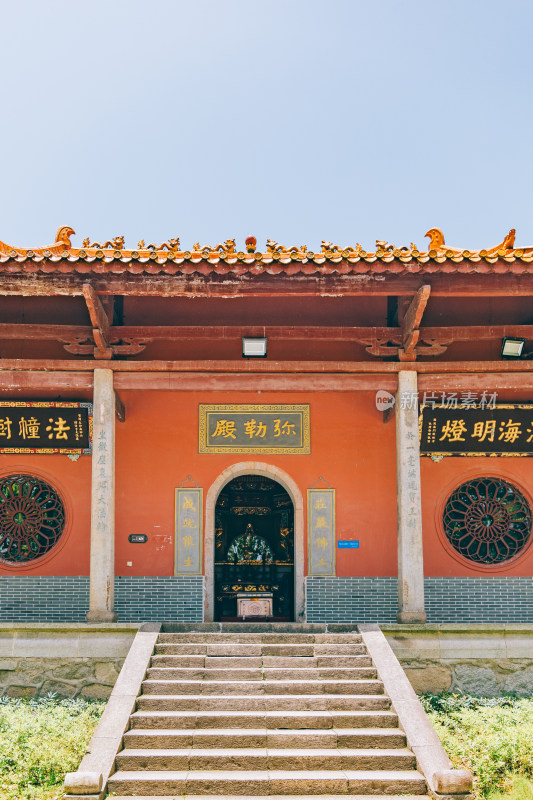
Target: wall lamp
254 348
512 347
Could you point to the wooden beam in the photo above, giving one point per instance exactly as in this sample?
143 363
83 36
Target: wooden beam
99 321
51 381
490 284
474 380
52 333
120 409
468 333
150 333
194 382
258 366
209 382
489 382
147 333
253 366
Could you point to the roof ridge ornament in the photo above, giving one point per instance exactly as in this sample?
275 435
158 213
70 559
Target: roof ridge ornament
172 251
113 244
61 246
436 242
63 235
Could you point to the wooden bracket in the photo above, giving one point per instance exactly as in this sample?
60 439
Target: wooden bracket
99 321
120 408
411 323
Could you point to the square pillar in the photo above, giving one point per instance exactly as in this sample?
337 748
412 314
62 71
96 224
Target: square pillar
102 576
409 497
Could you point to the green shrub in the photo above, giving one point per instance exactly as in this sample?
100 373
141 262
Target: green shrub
40 741
446 702
493 737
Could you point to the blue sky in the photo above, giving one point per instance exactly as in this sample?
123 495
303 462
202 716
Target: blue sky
296 120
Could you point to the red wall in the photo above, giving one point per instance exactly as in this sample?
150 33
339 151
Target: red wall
351 448
73 480
438 481
159 451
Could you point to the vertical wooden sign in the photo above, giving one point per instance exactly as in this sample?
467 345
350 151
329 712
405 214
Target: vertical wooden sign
189 531
321 531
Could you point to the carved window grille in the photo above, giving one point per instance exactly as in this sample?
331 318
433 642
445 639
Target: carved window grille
32 518
487 520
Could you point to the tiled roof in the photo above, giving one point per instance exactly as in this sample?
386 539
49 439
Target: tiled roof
170 259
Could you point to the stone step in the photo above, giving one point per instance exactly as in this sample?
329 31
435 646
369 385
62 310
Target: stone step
262 687
150 738
259 627
256 662
320 673
271 720
264 702
265 638
263 782
262 713
185 662
259 674
259 649
362 660
204 674
289 797
263 758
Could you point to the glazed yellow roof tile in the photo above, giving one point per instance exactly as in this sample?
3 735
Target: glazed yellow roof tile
112 255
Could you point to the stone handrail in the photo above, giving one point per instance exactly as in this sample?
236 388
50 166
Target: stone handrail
90 779
443 781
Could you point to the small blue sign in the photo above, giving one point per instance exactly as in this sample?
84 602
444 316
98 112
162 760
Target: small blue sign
353 544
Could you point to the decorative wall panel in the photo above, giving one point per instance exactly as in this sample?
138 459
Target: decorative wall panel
189 531
321 531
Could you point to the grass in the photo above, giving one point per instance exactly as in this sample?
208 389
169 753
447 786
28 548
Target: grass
520 789
40 741
493 737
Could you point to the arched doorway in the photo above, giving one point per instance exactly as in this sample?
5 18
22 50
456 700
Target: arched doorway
284 480
254 551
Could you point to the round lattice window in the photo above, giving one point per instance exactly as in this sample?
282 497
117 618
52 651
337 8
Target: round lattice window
487 520
32 518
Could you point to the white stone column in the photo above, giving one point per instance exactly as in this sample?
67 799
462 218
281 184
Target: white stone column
410 554
102 580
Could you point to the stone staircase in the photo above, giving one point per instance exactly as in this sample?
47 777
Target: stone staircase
256 714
